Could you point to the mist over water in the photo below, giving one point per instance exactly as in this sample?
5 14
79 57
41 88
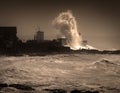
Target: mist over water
65 22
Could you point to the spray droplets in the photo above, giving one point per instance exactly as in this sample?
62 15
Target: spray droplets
66 24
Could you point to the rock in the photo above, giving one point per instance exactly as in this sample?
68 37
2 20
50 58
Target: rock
79 91
56 90
21 87
3 85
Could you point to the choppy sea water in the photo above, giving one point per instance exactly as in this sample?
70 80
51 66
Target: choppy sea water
60 73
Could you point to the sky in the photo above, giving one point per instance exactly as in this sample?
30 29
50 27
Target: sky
97 20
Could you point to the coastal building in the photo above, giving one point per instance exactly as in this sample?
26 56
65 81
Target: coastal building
84 42
39 36
8 37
